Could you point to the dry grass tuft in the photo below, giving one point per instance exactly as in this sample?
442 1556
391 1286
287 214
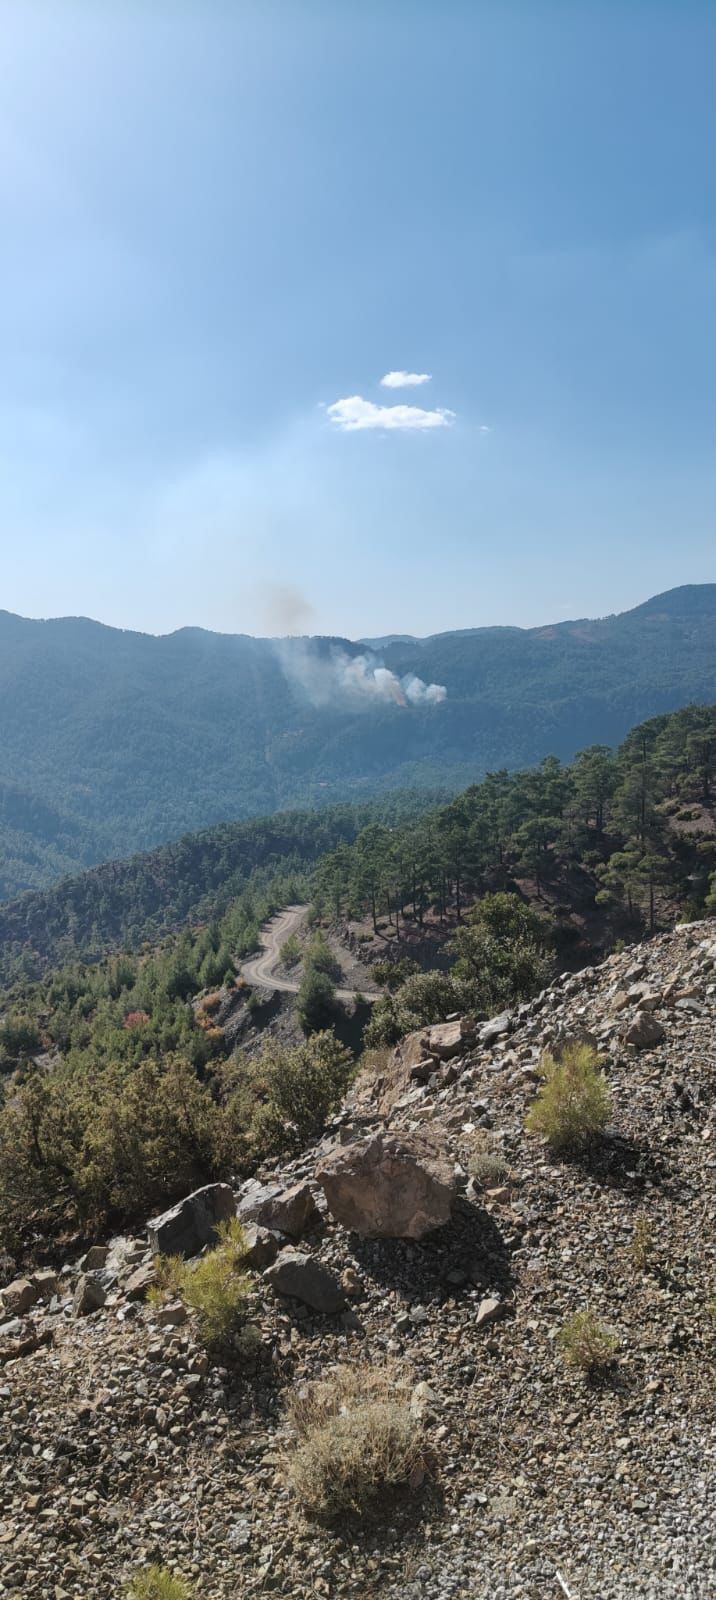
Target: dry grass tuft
158 1583
488 1167
586 1344
356 1438
573 1106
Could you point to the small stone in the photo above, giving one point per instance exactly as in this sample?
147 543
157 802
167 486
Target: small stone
140 1282
95 1259
90 1295
489 1310
172 1315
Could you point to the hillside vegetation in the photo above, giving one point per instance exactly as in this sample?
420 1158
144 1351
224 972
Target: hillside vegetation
123 1088
122 904
111 741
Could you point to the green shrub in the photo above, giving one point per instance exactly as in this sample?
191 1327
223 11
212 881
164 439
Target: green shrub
586 1344
319 957
19 1036
385 1027
391 974
573 1106
282 1099
215 1288
104 1141
421 999
501 954
356 1438
158 1583
316 1001
291 951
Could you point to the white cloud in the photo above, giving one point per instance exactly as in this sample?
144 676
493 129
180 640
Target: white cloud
404 380
356 414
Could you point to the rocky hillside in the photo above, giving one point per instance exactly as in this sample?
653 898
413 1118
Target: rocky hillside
122 1443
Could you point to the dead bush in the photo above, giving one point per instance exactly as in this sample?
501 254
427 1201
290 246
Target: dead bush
356 1438
488 1168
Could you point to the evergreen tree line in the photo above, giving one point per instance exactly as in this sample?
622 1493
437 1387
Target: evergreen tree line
119 1088
638 819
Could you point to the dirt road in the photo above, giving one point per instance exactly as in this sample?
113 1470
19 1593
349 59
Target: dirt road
261 968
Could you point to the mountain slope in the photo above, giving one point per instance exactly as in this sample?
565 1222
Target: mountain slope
130 740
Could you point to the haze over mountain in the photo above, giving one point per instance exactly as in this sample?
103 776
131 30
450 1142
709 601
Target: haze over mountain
112 741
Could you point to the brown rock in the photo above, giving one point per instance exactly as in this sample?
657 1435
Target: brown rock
644 1032
352 1283
446 1039
140 1281
393 1186
489 1310
261 1246
172 1315
19 1297
90 1294
45 1282
96 1258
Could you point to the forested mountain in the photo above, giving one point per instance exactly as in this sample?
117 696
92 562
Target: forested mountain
119 1089
112 741
122 904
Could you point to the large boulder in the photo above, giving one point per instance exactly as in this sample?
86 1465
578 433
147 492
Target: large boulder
288 1211
261 1246
447 1039
303 1278
497 1028
18 1297
391 1186
96 1258
644 1032
186 1228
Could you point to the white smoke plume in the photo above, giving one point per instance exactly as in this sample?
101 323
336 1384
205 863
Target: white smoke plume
337 679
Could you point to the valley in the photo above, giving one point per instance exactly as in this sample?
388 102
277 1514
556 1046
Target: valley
112 742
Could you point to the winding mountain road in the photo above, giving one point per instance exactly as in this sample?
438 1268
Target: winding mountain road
261 968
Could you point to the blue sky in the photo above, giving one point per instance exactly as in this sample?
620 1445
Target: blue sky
219 221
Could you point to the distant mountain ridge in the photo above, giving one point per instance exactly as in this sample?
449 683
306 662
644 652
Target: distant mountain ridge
113 741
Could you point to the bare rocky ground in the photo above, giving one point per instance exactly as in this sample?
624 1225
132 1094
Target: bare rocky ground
119 1443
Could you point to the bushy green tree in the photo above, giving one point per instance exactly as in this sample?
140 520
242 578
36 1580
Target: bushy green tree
282 1099
316 1001
423 998
502 956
